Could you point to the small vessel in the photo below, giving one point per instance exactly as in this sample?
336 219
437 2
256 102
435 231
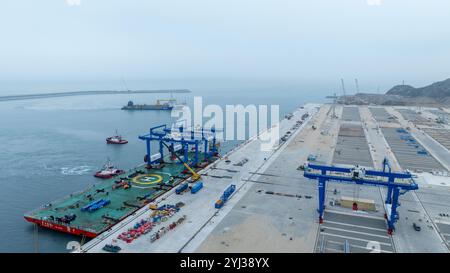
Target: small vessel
108 171
117 139
162 104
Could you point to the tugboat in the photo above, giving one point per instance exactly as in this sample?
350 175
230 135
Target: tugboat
108 171
117 139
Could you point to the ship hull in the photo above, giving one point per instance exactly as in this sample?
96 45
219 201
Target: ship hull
148 107
108 175
61 228
110 141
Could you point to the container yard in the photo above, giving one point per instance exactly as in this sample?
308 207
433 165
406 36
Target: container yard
381 115
410 154
345 180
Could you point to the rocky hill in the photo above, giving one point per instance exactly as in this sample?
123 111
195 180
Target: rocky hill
436 94
439 91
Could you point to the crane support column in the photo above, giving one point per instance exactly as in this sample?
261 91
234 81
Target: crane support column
389 191
206 150
147 141
161 150
322 191
172 150
186 150
394 214
196 154
214 148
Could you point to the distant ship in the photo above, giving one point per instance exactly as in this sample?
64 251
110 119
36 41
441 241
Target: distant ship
166 104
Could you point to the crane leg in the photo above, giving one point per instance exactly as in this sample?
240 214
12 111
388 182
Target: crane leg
322 187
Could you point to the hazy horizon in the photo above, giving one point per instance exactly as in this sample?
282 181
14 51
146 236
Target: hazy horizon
66 45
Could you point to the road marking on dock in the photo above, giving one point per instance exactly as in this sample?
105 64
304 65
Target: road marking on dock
352 238
356 246
223 169
147 179
355 214
357 232
351 225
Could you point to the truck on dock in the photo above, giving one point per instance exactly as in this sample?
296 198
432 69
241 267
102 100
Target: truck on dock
196 187
181 188
225 196
312 157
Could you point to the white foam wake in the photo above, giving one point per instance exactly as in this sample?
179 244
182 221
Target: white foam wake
79 170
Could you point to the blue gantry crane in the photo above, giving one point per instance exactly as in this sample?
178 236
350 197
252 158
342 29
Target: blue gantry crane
396 183
183 138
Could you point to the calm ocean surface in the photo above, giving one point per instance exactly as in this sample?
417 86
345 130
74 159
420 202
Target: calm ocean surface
50 148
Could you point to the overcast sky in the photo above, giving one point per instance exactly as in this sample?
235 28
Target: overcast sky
379 42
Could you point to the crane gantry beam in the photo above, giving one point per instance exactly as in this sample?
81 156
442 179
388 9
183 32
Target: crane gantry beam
163 135
396 183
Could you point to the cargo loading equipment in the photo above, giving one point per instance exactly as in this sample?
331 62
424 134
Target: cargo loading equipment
195 176
225 196
112 200
179 141
196 187
396 183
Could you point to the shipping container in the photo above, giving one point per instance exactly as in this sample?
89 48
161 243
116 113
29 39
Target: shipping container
181 188
225 196
228 192
196 187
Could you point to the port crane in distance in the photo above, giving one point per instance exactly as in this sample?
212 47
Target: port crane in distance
195 175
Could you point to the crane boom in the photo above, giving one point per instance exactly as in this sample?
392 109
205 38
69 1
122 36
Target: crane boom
195 176
343 87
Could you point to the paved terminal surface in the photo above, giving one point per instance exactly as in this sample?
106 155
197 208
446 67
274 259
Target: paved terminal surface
381 115
274 208
440 135
265 221
409 152
437 150
358 231
414 116
352 147
351 114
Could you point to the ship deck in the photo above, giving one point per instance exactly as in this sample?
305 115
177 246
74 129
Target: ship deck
146 185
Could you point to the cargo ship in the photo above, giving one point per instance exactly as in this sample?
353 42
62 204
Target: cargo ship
162 104
96 209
